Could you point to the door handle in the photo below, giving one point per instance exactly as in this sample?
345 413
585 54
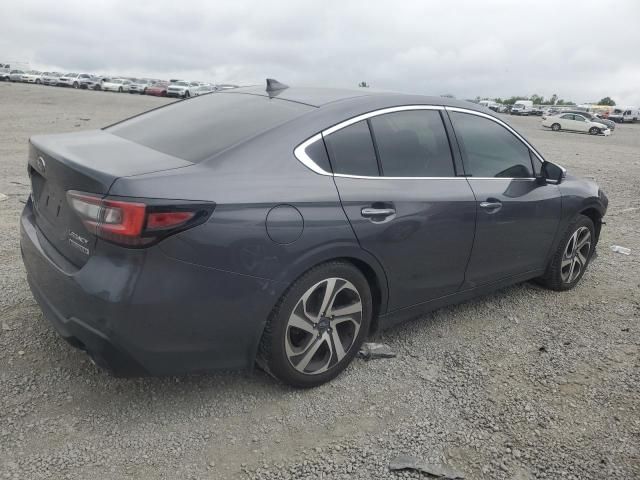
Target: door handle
490 205
369 212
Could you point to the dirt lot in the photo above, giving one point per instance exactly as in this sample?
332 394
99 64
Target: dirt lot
525 383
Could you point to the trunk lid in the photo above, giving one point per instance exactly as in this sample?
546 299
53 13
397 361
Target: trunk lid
87 162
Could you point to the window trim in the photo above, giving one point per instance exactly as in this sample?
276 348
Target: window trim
301 154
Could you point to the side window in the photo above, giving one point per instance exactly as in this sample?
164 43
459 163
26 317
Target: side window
579 118
489 149
318 153
567 116
412 144
351 150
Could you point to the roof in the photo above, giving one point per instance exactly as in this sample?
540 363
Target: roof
319 97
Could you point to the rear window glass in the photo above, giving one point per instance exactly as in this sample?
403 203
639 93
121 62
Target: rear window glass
352 152
197 129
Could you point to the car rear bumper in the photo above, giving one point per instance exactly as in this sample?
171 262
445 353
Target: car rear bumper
139 312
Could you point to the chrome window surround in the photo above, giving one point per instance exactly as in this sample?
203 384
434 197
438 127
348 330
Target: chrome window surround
301 154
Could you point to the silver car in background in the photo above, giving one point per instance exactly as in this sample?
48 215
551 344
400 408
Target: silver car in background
51 78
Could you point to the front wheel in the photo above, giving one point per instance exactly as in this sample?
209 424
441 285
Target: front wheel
594 131
187 94
120 90
555 127
568 264
318 325
75 84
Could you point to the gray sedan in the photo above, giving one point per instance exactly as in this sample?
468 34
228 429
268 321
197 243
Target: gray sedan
284 225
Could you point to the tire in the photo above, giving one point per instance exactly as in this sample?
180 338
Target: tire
560 274
594 131
75 84
187 94
38 82
120 90
555 127
298 346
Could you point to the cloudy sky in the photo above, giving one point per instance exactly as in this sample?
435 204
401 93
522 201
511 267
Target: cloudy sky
581 50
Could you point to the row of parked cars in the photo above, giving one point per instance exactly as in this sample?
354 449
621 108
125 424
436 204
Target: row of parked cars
144 86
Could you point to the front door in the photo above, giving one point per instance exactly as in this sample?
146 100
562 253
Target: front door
517 216
396 179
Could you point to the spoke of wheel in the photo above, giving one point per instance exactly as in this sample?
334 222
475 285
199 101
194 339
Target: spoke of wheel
312 350
581 258
584 240
565 262
328 295
301 323
337 344
573 266
572 244
347 310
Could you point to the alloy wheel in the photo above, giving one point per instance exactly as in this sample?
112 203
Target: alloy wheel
323 326
576 255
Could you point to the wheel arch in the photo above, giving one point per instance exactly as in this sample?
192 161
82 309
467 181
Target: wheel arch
596 217
364 262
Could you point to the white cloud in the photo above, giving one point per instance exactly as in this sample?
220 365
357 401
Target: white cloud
581 50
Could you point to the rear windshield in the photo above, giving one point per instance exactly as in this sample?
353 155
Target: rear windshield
202 127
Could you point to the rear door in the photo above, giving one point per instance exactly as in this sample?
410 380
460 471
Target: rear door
517 216
567 122
397 182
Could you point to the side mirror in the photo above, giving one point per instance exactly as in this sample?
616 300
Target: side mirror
552 172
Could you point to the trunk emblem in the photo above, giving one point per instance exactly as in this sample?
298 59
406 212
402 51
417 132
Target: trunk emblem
42 166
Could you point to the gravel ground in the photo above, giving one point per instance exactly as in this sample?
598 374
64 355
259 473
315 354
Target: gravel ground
524 383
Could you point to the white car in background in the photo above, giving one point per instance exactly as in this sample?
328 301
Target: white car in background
182 89
139 86
204 89
116 85
50 78
32 76
575 123
16 75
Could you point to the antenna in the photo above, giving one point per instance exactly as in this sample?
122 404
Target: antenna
274 85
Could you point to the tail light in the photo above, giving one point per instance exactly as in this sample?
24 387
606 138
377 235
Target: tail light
136 222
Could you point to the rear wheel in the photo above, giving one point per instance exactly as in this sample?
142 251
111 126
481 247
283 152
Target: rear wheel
555 127
120 90
318 325
568 264
75 84
187 94
594 131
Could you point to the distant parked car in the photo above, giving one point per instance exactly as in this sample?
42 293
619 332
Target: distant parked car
182 89
16 75
158 89
575 123
50 78
522 107
116 85
5 70
88 82
537 110
139 86
624 114
32 76
593 118
204 89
